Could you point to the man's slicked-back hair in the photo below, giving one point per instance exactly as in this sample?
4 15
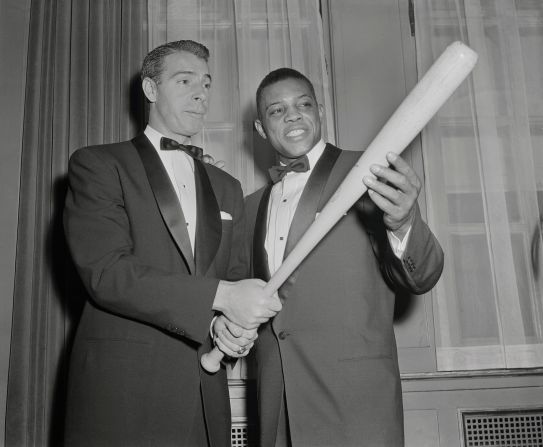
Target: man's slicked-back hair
277 75
153 64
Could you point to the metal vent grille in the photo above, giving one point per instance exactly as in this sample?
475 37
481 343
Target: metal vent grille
503 429
239 435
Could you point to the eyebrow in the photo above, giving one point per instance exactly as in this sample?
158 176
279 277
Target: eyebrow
305 95
189 72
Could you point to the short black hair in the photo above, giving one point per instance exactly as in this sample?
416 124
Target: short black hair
277 75
153 64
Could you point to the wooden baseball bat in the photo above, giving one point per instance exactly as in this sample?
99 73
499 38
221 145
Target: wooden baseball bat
420 105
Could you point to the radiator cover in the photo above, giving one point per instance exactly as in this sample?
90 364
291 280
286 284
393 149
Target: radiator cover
503 428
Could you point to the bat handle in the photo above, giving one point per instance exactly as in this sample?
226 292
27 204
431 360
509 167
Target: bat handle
211 361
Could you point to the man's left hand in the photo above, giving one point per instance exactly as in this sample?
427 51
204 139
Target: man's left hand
206 158
394 190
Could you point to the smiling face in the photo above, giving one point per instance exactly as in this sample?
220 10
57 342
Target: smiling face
179 99
290 118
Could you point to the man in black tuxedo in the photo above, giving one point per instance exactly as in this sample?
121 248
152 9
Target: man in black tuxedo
326 365
154 234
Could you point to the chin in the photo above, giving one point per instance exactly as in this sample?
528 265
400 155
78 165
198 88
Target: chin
189 133
296 152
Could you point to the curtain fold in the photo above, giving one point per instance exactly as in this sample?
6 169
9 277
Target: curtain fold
83 61
484 176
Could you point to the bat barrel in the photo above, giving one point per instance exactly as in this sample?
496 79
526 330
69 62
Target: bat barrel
430 93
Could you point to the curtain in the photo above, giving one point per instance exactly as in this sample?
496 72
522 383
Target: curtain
484 183
82 89
246 39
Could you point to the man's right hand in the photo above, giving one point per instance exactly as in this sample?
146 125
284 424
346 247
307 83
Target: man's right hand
232 339
245 302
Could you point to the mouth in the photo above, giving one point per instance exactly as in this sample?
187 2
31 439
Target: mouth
195 114
295 133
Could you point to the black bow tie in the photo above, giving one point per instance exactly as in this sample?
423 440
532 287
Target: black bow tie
298 165
167 144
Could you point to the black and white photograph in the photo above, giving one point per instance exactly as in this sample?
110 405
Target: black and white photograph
271 223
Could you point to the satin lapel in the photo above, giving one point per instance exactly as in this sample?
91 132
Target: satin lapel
309 205
260 257
165 197
209 227
342 167
311 197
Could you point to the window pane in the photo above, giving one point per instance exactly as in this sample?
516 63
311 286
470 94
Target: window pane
476 310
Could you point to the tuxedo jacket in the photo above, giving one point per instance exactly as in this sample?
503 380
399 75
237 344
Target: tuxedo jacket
135 378
330 353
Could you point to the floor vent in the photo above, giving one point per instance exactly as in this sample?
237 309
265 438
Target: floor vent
521 428
240 435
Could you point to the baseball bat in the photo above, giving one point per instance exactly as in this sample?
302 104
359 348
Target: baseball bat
419 106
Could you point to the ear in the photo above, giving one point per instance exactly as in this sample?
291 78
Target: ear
149 89
321 111
260 129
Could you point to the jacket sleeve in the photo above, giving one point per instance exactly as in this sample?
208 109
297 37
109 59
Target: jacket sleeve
421 265
98 232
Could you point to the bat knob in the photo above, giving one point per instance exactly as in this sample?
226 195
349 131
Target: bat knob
211 361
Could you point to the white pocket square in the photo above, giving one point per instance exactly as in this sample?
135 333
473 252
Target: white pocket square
225 216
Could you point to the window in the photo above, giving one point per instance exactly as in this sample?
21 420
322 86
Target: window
483 157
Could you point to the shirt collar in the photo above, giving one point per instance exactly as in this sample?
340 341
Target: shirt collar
314 154
154 136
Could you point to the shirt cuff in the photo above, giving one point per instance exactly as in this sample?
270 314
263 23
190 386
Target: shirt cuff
211 333
398 246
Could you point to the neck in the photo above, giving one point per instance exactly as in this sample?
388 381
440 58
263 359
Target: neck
161 128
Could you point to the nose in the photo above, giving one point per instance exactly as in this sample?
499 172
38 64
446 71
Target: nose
200 93
293 114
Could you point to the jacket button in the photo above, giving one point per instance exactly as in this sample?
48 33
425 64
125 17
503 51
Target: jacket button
282 335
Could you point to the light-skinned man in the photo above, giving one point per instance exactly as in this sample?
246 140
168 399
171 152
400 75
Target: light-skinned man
154 234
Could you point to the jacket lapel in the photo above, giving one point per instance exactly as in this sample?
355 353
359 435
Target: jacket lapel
165 197
261 268
342 166
311 197
209 228
308 205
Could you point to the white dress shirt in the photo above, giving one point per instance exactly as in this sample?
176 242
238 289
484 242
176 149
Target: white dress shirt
180 169
284 198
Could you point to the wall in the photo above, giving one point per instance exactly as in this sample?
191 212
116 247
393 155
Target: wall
14 20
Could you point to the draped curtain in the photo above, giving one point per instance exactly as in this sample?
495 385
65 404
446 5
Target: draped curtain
483 163
247 39
82 89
